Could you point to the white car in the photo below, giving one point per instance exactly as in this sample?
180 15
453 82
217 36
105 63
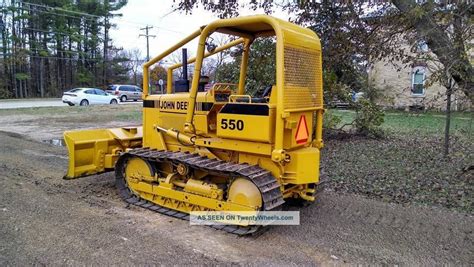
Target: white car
357 96
88 96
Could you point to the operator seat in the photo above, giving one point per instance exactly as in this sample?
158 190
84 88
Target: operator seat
261 96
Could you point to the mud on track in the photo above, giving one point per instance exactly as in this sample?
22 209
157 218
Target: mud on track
47 220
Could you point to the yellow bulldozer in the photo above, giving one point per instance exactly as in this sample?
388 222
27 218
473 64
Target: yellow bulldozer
219 148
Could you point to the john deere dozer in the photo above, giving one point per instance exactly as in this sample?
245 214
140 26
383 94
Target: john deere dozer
219 149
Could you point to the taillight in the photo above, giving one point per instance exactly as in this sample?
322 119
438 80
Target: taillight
116 92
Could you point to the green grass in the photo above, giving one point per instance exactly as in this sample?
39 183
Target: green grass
29 99
431 123
35 111
99 113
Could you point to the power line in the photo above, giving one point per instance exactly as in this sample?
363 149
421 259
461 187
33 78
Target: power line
146 24
44 9
74 59
58 14
53 57
55 50
62 10
94 16
45 31
56 10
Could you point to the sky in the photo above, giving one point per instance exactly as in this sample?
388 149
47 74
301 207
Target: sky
169 27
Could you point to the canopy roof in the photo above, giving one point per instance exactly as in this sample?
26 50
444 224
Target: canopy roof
264 25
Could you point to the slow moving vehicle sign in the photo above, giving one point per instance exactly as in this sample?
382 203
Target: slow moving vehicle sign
301 135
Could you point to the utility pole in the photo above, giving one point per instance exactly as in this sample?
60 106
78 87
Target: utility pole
147 41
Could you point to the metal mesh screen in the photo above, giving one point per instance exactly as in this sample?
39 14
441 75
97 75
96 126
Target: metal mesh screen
303 85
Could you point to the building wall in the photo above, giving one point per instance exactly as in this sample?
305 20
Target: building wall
394 80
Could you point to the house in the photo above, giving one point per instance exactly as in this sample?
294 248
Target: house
410 87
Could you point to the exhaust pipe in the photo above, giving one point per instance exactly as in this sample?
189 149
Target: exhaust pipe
182 85
185 64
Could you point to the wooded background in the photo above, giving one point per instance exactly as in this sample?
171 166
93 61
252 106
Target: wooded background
50 46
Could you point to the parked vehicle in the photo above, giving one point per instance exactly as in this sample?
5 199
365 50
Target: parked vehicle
88 96
125 92
356 96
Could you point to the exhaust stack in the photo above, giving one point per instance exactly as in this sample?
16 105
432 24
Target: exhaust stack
182 85
185 64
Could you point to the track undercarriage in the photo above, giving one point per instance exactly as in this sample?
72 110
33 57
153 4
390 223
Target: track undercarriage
177 183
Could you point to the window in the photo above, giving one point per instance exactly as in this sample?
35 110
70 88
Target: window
90 92
99 92
418 81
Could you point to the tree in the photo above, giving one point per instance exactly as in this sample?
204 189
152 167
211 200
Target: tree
349 42
449 92
135 62
50 46
213 64
175 58
119 66
157 73
345 34
446 29
261 65
354 33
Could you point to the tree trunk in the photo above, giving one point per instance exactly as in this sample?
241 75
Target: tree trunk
5 51
106 44
41 79
44 66
449 91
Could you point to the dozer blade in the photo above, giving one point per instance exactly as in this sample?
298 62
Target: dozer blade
96 151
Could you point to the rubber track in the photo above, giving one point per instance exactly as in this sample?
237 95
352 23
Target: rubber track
263 179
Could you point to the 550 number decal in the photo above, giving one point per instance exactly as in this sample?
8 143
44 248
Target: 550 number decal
232 124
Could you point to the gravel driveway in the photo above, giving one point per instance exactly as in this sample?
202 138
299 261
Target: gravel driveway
47 220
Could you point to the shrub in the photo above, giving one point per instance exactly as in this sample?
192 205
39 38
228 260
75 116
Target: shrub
330 120
369 118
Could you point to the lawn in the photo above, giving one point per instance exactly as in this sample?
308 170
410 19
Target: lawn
429 123
99 113
407 165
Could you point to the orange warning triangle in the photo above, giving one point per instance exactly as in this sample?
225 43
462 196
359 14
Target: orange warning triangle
301 135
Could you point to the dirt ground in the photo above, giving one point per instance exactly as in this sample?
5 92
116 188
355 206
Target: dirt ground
46 220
